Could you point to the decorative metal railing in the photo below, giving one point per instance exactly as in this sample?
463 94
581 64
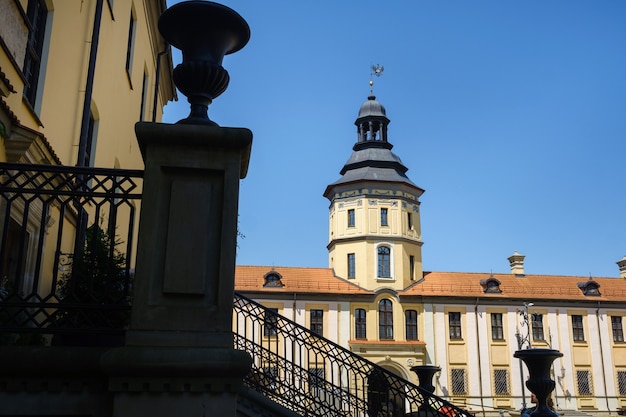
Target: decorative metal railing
66 245
313 376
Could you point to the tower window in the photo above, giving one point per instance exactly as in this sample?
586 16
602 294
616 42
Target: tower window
409 220
384 262
383 217
351 220
360 326
385 320
351 265
412 267
411 324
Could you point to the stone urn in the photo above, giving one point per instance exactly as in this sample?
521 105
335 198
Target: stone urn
538 362
425 374
204 31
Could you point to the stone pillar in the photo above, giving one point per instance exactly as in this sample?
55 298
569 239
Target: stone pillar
179 357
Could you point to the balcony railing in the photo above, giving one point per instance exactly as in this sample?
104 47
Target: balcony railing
313 376
66 249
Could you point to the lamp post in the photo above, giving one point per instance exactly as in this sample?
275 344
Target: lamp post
527 323
520 345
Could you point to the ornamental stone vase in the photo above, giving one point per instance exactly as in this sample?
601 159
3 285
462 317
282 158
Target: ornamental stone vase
425 374
204 31
538 362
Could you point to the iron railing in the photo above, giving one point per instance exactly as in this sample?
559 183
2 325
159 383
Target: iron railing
313 376
66 248
67 237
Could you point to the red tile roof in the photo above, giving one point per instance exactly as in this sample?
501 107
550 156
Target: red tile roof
553 287
294 279
435 284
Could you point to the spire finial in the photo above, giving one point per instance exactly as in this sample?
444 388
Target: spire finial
375 70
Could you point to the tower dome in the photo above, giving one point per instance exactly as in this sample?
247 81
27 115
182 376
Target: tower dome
372 107
372 121
372 159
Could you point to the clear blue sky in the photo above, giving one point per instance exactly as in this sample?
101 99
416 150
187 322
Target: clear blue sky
510 114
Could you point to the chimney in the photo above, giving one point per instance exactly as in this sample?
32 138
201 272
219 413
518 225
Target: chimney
517 264
622 267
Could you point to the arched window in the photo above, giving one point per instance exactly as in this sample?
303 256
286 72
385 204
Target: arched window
411 324
384 262
385 320
360 327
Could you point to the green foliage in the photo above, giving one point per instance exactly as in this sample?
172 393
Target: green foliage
96 292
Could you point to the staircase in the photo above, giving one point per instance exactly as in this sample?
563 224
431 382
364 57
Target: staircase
309 375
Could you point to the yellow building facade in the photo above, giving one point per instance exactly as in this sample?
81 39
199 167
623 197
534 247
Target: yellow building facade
78 74
376 300
75 77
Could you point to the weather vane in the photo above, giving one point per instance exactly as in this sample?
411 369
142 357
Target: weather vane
376 70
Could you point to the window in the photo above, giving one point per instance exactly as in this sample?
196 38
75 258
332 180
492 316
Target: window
409 220
583 380
385 320
383 217
616 327
501 381
269 378
454 323
621 383
317 321
537 327
360 326
497 330
578 332
351 220
91 141
458 383
412 267
384 262
144 92
270 322
351 265
410 317
37 15
130 46
316 381
273 279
